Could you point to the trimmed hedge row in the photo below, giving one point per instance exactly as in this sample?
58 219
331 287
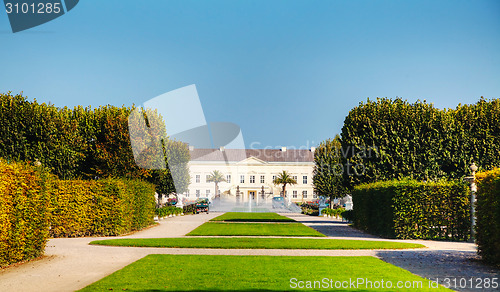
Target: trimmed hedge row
100 208
23 213
35 205
168 210
488 215
412 209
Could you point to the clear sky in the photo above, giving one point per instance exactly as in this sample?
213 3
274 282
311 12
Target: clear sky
287 72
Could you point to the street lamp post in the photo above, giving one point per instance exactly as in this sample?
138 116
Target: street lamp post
473 189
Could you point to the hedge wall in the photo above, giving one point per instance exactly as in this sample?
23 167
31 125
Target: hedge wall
35 205
388 139
411 209
85 143
100 208
23 212
488 215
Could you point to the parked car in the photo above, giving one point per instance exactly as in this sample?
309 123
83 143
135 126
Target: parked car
202 205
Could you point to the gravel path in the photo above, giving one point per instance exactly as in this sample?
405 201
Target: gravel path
447 262
71 264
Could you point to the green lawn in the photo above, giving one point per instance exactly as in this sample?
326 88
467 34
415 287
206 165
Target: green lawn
254 229
258 273
256 243
252 217
246 209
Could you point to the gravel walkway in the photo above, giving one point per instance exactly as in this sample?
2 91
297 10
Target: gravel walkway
448 262
71 264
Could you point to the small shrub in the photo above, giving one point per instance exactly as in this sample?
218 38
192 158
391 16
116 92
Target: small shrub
189 209
168 210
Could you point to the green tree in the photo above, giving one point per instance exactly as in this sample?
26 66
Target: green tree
284 179
91 143
328 171
216 177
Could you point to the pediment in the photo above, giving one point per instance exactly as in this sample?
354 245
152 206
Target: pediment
252 161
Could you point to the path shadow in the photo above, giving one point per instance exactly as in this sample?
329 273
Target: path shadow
433 264
334 228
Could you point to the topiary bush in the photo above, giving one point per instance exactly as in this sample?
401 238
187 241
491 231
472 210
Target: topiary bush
488 215
413 209
23 212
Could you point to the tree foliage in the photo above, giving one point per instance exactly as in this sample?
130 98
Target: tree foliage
390 139
284 179
328 170
216 177
88 143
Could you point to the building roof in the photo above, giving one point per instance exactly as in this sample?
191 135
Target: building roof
268 155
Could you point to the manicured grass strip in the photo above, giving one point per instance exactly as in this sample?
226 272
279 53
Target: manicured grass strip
246 209
257 243
254 229
259 273
252 217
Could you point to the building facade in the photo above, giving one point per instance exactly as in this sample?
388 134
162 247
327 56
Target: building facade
250 173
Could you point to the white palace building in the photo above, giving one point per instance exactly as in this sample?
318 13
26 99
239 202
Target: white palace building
250 173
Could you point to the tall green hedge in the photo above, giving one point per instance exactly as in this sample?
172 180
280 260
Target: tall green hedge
488 215
412 209
388 139
23 212
84 143
100 208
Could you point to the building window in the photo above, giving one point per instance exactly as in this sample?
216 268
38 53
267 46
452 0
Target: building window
315 196
197 193
207 193
206 177
252 179
274 177
242 179
294 194
228 178
294 177
304 179
304 194
262 179
187 194
198 178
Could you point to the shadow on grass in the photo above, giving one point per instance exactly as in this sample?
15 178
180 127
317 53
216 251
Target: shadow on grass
340 229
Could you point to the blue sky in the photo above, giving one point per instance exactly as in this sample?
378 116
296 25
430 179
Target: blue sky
287 72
